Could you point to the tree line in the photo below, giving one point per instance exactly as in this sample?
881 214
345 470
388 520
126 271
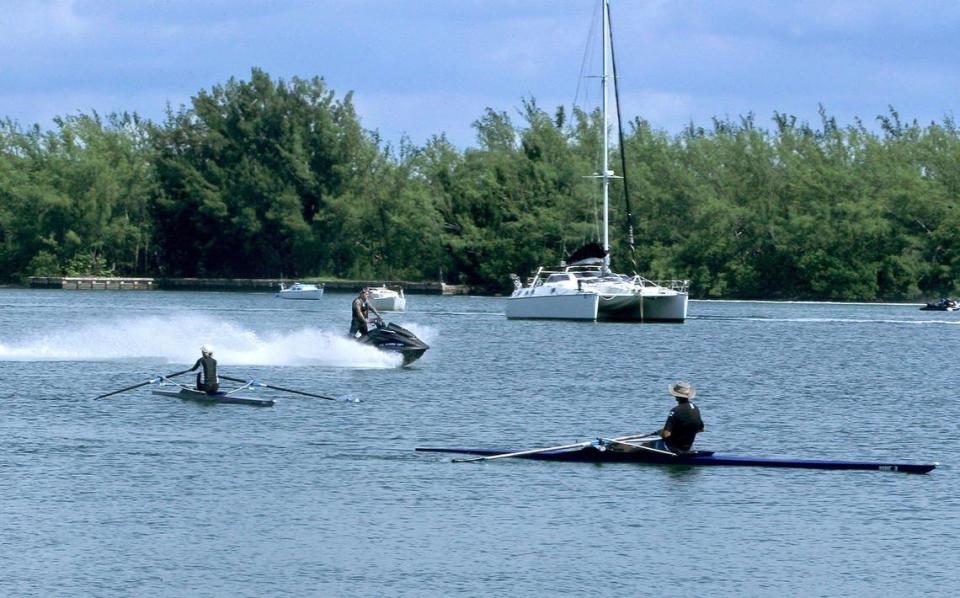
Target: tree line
266 177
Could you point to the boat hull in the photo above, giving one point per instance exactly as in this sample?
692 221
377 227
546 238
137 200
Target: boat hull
301 291
560 306
395 339
389 303
385 299
198 396
592 454
643 308
301 295
410 355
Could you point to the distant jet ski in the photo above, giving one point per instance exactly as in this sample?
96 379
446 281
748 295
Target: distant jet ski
942 305
392 338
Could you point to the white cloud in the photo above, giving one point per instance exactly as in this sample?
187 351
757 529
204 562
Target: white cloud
428 66
31 23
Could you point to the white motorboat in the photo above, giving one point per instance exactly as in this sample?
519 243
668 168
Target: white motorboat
300 290
384 299
552 295
561 292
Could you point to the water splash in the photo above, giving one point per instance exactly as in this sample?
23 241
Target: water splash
177 339
425 333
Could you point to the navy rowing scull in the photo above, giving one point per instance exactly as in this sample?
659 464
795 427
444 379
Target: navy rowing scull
592 453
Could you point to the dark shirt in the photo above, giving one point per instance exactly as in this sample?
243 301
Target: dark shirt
360 309
683 423
209 369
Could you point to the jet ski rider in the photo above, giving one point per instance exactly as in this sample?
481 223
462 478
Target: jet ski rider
361 311
207 379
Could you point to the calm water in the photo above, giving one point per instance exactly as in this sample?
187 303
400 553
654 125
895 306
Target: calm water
145 495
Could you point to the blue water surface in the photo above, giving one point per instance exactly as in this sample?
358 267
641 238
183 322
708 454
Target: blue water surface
141 494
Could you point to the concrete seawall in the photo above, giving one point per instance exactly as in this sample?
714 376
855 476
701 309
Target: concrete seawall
264 285
84 283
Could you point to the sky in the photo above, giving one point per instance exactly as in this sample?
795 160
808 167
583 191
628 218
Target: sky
419 68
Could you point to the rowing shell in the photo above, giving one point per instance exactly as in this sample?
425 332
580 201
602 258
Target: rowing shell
591 454
221 397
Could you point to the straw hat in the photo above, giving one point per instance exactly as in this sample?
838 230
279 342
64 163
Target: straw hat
682 390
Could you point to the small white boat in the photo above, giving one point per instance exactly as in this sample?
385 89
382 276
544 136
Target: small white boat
553 296
384 299
300 290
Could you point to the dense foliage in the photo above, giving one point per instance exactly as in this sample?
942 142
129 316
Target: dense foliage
269 177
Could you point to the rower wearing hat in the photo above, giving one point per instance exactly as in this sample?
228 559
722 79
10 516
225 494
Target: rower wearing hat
207 379
683 424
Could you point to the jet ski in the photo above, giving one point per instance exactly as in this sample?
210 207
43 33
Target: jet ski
393 338
942 305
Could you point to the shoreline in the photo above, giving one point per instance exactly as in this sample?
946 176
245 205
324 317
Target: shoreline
120 283
84 283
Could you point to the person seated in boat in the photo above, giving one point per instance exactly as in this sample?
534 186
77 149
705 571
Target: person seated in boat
360 312
683 424
207 379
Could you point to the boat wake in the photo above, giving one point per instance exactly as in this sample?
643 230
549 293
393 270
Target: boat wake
177 339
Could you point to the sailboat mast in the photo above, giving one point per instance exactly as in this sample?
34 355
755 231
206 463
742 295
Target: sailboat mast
605 174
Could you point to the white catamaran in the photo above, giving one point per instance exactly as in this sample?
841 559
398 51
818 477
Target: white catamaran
586 288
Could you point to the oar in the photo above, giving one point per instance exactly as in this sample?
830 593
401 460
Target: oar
540 450
639 447
150 381
523 453
637 438
281 389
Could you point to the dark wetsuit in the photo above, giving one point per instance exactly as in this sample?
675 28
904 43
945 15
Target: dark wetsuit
683 423
207 378
359 321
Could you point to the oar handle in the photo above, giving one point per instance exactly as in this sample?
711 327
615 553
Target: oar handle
636 447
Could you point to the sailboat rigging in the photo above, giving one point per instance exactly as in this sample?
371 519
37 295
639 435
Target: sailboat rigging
623 147
585 288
